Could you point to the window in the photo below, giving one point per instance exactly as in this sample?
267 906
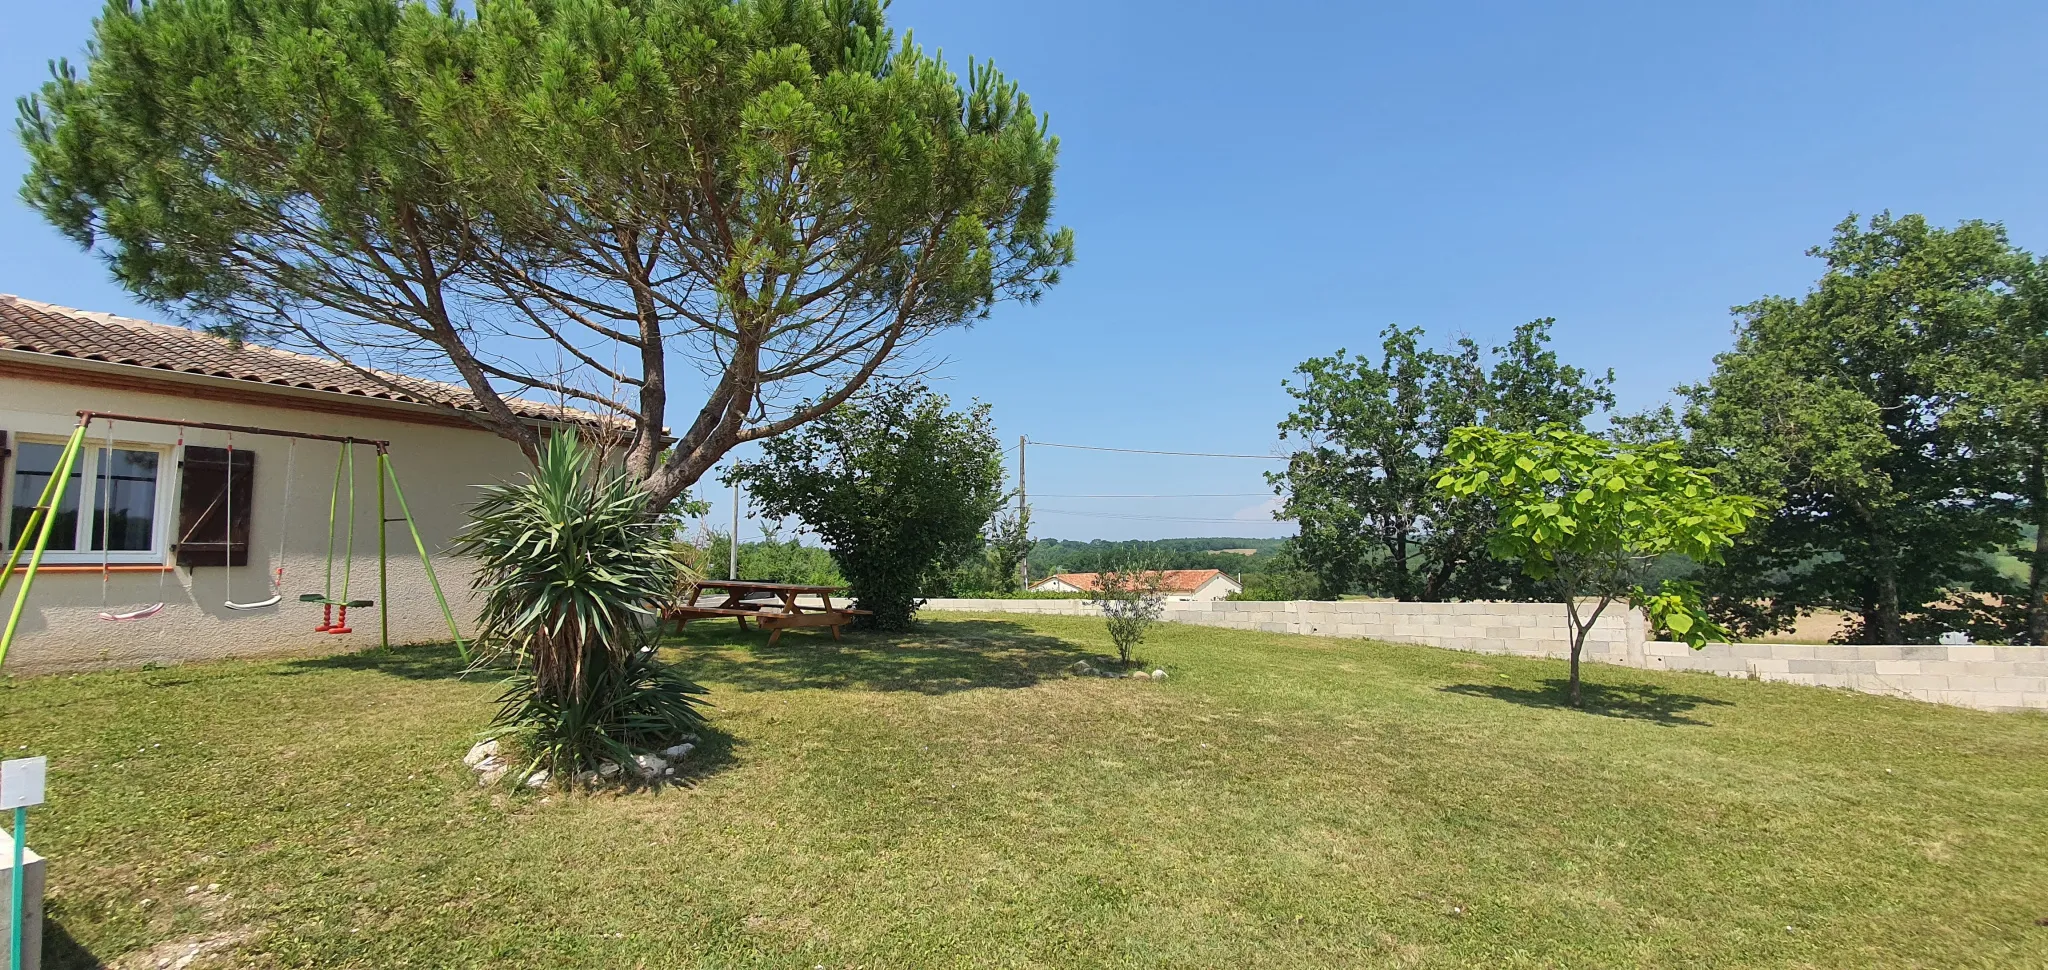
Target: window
127 500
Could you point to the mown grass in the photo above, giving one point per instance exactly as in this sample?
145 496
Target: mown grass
951 799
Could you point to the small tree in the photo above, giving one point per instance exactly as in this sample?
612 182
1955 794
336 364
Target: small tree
895 483
1588 516
1131 602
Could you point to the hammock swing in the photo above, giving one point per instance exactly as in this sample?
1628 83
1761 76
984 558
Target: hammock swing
344 468
283 527
106 515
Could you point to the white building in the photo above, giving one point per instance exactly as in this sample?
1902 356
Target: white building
157 527
1179 585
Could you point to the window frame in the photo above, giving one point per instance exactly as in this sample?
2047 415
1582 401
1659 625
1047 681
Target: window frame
158 553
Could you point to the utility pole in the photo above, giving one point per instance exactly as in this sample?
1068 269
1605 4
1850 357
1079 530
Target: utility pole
733 568
1024 564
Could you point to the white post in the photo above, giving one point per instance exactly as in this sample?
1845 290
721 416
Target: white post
733 568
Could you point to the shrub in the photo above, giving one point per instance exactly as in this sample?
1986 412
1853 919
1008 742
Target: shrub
1131 602
895 482
568 563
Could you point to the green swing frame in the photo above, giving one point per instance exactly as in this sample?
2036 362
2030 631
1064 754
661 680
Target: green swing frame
35 533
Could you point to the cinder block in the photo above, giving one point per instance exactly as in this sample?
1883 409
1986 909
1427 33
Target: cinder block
2001 700
2024 685
1930 654
1899 668
2020 654
1973 683
1988 668
1972 652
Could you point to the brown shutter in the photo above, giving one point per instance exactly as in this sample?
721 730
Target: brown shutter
206 537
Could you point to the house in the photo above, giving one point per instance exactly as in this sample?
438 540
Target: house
1179 585
162 495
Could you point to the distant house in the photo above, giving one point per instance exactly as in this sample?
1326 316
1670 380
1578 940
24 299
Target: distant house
1179 585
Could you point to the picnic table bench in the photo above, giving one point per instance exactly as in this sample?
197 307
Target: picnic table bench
773 605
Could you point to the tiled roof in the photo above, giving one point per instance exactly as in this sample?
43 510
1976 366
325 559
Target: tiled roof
1170 580
44 328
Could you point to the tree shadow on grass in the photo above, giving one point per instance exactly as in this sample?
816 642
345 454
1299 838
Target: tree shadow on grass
1641 702
932 658
427 662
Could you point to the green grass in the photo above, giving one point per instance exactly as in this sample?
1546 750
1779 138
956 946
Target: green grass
950 799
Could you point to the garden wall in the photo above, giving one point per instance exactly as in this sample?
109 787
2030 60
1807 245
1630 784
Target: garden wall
1991 678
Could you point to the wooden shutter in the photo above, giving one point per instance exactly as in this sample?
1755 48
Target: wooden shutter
205 536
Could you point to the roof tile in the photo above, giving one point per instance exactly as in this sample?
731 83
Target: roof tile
43 328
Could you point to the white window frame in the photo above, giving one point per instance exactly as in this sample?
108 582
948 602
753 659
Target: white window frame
158 553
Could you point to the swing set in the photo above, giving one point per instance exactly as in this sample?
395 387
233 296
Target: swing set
35 533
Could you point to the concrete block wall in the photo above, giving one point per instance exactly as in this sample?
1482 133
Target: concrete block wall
1991 678
1522 629
1986 677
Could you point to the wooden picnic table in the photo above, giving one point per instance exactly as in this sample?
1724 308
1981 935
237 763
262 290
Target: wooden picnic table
777 611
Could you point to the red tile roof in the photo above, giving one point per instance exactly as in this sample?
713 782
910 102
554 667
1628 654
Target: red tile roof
43 328
1170 580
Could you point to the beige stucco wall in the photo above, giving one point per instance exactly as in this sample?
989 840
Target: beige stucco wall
438 467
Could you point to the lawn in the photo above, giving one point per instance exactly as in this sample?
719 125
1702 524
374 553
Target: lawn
951 798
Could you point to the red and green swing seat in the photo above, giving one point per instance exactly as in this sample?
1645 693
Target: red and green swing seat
344 467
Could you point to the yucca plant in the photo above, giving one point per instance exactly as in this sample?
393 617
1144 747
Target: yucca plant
570 566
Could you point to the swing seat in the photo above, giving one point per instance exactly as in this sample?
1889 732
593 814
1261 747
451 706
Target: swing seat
324 601
265 604
138 614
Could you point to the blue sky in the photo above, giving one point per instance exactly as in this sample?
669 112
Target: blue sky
1254 184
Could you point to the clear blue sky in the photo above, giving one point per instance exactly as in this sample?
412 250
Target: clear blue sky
1254 184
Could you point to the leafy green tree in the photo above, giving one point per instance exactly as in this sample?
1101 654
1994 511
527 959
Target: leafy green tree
584 200
1839 410
1588 517
1998 378
1374 433
989 565
895 483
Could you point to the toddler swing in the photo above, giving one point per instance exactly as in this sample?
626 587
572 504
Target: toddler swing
106 546
344 466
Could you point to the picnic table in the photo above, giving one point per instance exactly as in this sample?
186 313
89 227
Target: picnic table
773 605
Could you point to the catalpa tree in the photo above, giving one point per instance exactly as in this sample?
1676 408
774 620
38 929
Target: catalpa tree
1587 516
598 202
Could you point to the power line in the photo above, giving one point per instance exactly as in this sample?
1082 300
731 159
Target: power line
1141 517
1148 451
1164 496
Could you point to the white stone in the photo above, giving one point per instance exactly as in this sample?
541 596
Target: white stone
537 779
678 751
607 770
480 751
650 764
1159 675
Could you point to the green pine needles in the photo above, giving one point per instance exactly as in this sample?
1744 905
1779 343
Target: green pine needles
569 564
